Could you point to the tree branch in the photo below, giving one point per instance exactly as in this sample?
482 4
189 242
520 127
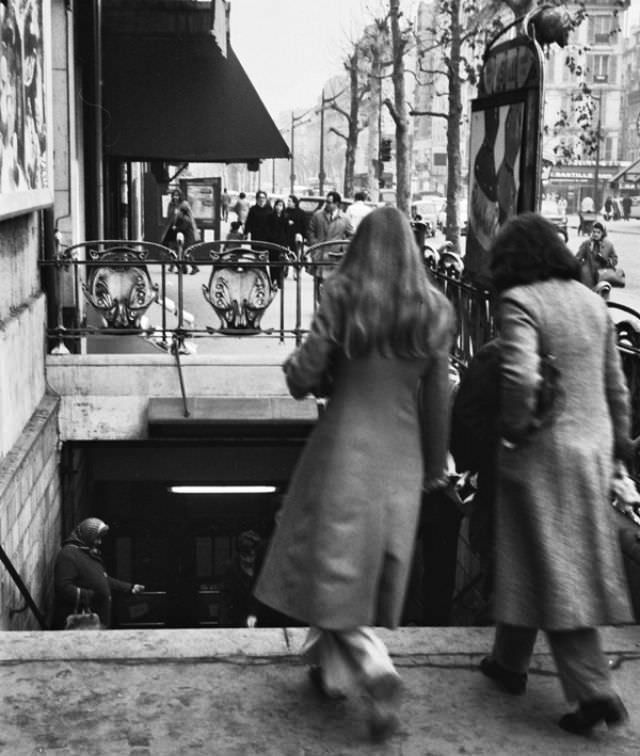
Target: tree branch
339 133
392 110
432 113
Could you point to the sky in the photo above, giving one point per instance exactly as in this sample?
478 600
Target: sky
289 48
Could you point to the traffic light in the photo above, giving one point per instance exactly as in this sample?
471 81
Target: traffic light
385 150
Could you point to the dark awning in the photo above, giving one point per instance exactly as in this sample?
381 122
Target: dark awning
630 174
170 94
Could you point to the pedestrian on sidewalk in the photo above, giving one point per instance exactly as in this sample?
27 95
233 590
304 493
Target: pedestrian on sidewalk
341 553
327 224
241 209
598 259
225 202
277 233
80 578
558 561
256 226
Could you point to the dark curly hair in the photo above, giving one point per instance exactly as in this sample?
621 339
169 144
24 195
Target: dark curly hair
527 249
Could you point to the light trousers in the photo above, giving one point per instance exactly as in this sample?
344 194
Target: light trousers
582 666
347 657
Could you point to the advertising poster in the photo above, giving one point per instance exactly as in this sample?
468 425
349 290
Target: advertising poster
25 145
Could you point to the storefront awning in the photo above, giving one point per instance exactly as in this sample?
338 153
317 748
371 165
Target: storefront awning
630 174
169 94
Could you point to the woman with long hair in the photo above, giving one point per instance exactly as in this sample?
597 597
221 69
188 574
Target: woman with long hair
341 553
277 234
558 565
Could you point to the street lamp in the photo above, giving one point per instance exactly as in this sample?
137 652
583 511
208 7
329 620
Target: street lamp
321 174
295 122
596 173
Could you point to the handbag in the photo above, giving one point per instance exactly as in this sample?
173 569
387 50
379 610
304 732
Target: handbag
82 619
548 400
614 276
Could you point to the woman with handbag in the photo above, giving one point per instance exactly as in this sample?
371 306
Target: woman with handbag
341 553
80 579
558 560
598 260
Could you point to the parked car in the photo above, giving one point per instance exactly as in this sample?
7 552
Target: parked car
549 209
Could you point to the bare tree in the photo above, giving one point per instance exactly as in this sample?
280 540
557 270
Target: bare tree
448 56
400 42
357 90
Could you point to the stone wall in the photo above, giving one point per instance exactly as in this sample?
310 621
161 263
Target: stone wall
30 516
22 319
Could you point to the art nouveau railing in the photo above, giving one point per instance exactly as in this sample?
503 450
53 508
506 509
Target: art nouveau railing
115 288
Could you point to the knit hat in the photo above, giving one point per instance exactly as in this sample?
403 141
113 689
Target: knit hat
90 529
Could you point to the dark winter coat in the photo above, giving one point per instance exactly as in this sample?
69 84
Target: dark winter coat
296 224
558 560
342 550
257 223
78 567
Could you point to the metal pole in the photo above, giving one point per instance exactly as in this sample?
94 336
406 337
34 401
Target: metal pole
321 174
292 174
273 176
596 175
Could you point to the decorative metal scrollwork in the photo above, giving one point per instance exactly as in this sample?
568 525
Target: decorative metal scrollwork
120 293
239 293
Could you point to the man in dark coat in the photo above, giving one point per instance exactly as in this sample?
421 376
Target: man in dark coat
256 226
80 577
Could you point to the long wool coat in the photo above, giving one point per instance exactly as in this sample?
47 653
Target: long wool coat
558 560
78 568
341 553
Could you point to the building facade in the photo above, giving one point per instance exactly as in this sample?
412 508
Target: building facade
87 144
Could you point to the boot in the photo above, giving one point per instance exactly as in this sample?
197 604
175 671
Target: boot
610 711
512 682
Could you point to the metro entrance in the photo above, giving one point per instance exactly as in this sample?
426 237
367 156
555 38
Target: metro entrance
178 545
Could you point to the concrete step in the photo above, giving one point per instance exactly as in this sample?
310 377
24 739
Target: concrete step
239 692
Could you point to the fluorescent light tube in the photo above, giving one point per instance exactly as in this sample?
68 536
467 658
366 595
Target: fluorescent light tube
222 489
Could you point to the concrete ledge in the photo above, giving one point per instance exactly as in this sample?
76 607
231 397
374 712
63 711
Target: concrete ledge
194 644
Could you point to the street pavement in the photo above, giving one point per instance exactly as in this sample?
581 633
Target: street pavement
625 236
245 692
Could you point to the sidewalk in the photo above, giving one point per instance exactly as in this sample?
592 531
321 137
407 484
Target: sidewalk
244 692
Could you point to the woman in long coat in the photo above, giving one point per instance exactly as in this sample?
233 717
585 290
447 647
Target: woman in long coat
341 553
80 578
558 562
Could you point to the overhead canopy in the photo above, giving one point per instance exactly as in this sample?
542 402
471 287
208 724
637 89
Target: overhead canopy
630 174
170 94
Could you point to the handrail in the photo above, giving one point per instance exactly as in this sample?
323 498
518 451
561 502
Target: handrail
4 558
114 282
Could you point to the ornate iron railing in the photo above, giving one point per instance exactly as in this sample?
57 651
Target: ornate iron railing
110 288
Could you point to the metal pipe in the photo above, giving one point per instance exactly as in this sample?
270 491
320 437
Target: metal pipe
22 588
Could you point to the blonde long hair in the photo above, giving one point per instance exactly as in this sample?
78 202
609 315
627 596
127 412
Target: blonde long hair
382 298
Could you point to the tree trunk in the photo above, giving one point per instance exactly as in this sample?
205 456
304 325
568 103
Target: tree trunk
403 173
374 123
352 136
454 172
